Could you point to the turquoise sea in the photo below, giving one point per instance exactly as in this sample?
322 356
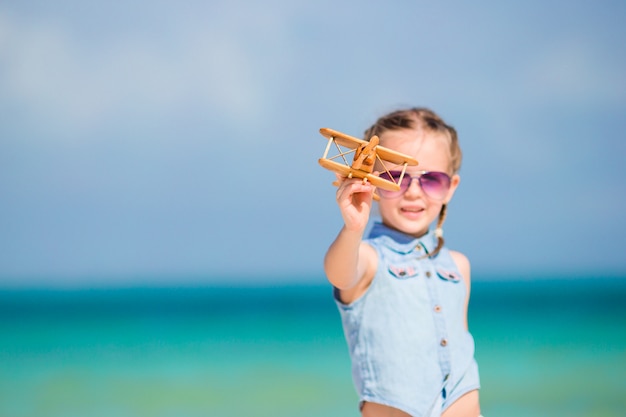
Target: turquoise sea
544 347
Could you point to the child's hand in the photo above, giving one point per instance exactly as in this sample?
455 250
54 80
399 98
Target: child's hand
354 198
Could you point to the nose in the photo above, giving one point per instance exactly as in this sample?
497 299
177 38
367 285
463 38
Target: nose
414 189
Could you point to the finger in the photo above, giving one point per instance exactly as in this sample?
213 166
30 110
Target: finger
348 189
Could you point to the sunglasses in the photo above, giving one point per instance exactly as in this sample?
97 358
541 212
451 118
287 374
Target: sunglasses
434 184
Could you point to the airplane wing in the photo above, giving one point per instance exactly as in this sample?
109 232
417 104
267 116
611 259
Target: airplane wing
346 171
342 139
385 154
394 157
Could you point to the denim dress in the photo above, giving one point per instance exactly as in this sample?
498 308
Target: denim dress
406 335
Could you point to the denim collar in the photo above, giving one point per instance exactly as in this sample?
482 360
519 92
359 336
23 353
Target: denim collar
401 242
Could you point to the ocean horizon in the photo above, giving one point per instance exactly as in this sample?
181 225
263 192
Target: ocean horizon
545 347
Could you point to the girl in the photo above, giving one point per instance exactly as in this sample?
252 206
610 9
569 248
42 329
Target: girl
401 294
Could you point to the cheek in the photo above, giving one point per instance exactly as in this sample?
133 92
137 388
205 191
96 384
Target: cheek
386 210
385 205
434 209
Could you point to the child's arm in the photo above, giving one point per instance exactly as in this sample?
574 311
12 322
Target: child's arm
463 264
349 263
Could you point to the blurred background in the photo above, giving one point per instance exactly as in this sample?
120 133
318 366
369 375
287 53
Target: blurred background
163 217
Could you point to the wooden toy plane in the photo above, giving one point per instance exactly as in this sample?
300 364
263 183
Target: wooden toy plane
365 155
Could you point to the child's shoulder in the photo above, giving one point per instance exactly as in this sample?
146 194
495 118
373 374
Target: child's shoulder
462 263
459 257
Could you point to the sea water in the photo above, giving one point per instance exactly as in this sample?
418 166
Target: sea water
544 347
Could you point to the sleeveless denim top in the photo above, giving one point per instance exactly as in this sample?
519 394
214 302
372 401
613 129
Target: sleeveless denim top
406 335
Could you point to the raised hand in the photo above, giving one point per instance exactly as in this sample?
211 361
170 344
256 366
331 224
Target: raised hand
354 197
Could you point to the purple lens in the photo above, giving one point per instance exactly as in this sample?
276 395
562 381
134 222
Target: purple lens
394 176
434 184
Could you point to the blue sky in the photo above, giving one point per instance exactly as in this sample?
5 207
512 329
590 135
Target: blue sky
151 142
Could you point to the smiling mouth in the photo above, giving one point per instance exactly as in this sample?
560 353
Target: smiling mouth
411 210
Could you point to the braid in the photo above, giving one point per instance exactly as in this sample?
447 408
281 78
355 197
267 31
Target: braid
439 231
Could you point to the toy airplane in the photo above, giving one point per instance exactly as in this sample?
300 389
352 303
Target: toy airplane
365 155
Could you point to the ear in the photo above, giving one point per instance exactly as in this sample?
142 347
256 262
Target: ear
454 183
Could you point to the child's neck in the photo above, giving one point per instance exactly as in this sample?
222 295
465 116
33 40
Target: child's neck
380 228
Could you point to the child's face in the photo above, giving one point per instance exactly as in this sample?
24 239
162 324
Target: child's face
413 211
